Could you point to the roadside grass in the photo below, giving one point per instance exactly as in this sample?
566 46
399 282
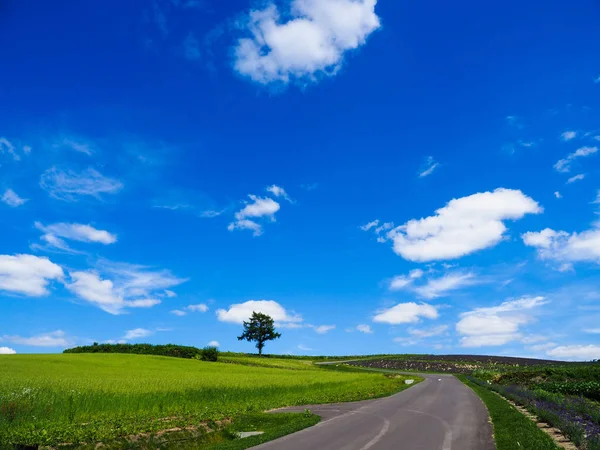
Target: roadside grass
273 426
53 399
512 430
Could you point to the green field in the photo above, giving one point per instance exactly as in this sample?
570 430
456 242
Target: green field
51 399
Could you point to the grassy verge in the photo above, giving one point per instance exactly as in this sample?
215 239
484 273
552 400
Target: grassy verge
512 429
273 426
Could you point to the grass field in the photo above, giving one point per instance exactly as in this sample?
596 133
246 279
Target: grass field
51 399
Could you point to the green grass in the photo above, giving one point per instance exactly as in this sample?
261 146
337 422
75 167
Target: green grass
51 399
512 430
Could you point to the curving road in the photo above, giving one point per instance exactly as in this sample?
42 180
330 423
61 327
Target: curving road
440 413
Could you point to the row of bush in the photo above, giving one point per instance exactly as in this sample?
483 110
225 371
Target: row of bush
174 351
577 417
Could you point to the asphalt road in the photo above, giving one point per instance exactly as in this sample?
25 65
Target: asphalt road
440 413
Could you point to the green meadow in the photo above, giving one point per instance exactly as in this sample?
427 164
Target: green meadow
89 398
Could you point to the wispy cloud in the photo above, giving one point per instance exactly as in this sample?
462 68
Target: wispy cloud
564 165
57 339
115 287
55 234
202 307
258 208
429 166
514 121
11 198
575 178
68 185
568 135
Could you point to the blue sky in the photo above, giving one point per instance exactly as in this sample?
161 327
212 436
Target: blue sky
379 176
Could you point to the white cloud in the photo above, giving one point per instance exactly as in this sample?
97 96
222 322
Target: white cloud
311 43
54 234
278 191
597 201
576 352
27 274
137 333
7 351
7 147
430 332
56 338
11 198
124 286
364 329
463 226
258 208
568 135
497 325
76 145
170 294
564 165
557 194
179 312
406 313
197 308
441 286
562 246
68 185
429 166
369 225
592 330
400 282
214 344
575 178
322 329
240 312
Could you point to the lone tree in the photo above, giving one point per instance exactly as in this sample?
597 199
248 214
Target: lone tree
260 329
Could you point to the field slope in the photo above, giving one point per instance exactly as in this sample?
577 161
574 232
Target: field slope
51 399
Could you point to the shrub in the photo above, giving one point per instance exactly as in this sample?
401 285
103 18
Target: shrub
176 351
209 354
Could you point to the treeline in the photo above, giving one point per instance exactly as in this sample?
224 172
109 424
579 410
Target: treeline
175 351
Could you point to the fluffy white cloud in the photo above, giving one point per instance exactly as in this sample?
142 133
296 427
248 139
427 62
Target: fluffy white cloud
259 207
364 329
576 352
564 165
214 344
240 312
568 135
439 287
497 325
11 198
430 332
137 333
125 286
278 191
406 313
463 226
557 194
55 233
312 42
562 246
56 338
430 165
27 274
7 351
68 185
575 178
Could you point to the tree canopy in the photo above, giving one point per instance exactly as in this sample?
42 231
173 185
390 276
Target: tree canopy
259 329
